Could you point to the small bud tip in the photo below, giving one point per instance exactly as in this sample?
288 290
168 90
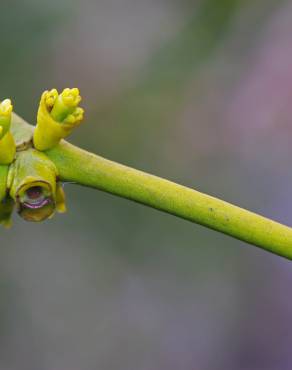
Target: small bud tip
51 97
71 97
6 107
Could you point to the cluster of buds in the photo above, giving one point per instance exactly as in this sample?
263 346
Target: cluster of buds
58 115
32 178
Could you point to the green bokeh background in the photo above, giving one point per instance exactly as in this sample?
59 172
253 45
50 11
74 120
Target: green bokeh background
195 91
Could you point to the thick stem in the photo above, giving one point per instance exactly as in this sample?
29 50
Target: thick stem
87 169
3 181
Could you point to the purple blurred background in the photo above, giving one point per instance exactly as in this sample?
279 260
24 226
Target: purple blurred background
199 92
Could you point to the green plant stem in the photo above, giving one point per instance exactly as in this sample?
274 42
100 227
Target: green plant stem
87 169
3 181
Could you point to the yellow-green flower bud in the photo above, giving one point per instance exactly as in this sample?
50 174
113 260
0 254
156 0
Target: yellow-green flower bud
7 143
65 104
57 116
5 117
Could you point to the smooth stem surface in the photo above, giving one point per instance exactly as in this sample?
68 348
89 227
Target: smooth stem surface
87 169
3 181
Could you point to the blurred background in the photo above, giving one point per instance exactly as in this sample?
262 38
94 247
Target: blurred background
198 92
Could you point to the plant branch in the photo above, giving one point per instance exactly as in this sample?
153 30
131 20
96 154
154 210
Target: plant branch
3 180
84 168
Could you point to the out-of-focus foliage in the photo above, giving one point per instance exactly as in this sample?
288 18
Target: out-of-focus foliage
197 91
